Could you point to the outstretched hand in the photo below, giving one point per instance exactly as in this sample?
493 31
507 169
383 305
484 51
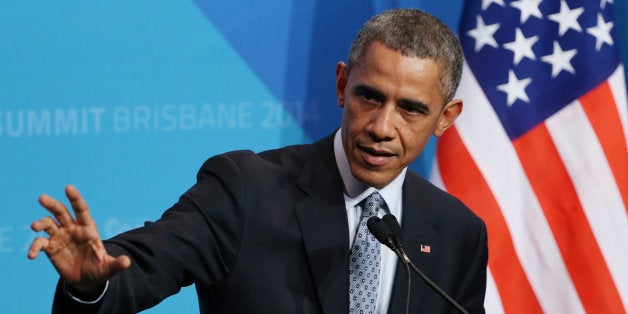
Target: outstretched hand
73 244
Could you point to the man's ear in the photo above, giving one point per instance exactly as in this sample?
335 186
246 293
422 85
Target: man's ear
450 112
341 82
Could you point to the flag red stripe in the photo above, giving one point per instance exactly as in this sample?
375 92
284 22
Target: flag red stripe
463 178
556 194
600 108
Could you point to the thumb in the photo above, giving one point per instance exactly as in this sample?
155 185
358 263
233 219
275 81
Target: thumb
119 264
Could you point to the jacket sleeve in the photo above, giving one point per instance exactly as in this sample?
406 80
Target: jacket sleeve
196 240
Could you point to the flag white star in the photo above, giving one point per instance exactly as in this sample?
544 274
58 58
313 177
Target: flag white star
528 8
567 18
522 47
602 32
560 60
486 3
483 34
603 3
515 88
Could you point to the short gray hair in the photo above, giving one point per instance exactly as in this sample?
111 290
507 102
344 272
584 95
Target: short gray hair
414 33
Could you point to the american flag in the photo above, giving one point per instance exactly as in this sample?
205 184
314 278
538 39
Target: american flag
426 248
540 153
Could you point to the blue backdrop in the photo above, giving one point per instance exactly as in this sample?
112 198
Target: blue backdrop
126 99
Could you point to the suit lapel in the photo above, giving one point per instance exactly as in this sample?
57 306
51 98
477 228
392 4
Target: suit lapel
416 232
322 218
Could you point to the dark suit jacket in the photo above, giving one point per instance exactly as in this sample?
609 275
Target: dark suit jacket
267 233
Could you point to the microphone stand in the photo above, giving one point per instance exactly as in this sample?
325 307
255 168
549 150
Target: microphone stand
407 262
387 231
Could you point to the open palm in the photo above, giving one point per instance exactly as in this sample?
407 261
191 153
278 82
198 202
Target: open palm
73 245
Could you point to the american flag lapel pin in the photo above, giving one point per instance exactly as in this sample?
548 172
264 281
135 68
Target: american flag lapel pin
425 248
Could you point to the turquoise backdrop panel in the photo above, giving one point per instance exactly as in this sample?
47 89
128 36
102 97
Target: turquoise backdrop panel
126 99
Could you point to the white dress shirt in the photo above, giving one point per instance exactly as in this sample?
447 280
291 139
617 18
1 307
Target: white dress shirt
355 192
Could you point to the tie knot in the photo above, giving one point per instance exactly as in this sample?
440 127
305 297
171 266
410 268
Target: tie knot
372 204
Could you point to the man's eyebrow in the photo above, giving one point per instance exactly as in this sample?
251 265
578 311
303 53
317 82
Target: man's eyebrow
369 91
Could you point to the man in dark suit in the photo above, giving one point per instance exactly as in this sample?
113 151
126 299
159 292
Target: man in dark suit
275 232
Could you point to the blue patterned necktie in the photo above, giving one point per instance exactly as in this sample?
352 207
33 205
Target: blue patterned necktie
364 260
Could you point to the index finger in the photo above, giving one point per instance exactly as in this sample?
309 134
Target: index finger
81 210
55 207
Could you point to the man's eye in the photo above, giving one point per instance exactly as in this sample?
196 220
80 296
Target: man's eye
368 95
413 109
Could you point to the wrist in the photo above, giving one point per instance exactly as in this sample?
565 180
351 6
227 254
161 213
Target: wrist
87 295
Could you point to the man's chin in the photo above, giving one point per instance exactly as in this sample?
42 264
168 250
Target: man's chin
372 177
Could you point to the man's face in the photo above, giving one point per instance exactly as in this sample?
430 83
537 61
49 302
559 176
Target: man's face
392 104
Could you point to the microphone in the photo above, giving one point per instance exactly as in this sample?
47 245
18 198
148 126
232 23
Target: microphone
388 232
395 228
383 233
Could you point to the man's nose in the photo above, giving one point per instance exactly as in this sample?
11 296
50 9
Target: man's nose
383 123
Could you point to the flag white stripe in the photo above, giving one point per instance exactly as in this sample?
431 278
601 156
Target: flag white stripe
618 87
584 159
435 177
489 146
493 303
